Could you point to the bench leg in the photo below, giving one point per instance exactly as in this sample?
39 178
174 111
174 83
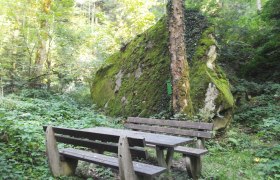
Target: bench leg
58 166
200 143
194 166
126 169
164 162
145 178
68 166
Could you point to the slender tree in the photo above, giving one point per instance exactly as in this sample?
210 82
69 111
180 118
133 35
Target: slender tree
42 51
259 5
181 100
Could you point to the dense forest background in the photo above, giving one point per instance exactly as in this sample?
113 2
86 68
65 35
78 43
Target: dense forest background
50 51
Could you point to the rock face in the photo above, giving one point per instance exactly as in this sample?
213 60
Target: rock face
133 81
205 73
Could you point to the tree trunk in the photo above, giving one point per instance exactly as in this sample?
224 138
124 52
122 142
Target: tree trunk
181 101
259 5
42 53
2 88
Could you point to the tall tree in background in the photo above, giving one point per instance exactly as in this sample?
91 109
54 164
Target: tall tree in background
47 43
259 5
181 100
42 52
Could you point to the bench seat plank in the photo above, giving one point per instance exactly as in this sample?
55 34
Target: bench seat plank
190 151
112 162
185 150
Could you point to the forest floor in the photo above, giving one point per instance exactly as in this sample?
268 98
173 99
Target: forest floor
239 154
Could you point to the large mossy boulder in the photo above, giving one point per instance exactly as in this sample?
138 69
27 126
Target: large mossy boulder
132 82
210 88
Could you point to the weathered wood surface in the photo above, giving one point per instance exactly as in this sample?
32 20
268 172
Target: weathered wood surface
193 166
169 157
92 135
52 152
151 138
57 166
112 162
100 146
190 151
174 131
126 170
160 156
161 141
171 123
200 142
183 128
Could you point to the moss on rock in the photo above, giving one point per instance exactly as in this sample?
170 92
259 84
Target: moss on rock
144 63
142 68
201 75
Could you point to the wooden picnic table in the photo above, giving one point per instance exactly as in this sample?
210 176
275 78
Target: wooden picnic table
161 141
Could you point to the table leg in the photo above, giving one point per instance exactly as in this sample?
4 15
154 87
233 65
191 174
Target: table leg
169 157
160 156
164 162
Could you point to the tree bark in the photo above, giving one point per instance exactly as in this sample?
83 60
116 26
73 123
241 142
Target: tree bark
259 5
42 53
181 101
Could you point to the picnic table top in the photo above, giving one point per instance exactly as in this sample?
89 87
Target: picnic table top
150 138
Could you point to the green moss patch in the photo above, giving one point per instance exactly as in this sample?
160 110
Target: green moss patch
201 76
144 63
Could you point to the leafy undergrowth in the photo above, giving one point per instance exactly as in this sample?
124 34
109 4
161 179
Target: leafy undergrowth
237 156
240 154
22 143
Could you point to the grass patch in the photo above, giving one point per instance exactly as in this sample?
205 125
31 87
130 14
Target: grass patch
230 165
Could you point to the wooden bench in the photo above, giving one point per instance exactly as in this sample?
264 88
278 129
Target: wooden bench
64 161
200 130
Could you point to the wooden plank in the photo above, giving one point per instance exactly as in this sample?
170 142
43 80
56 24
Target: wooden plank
160 156
172 123
112 162
185 150
194 166
100 146
96 136
151 138
126 170
52 152
183 132
57 166
190 151
169 157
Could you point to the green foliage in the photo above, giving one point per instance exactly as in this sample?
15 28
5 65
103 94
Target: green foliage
231 157
81 95
261 104
22 147
258 110
242 155
66 43
270 161
230 164
248 38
